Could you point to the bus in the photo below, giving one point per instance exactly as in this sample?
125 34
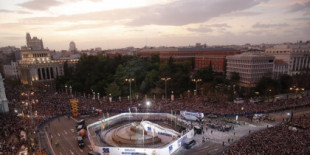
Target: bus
192 116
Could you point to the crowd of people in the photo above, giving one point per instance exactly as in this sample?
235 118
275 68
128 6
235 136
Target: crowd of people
28 112
287 138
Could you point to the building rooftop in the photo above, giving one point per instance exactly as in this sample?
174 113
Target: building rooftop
280 62
249 55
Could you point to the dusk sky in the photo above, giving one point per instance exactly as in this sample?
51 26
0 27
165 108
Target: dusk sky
122 23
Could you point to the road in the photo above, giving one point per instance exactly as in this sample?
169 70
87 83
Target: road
63 130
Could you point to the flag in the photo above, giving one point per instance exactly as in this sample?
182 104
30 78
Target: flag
102 125
153 132
108 115
129 110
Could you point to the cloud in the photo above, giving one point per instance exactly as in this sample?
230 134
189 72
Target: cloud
259 25
187 12
220 25
23 12
300 7
175 13
243 13
82 26
301 19
40 4
201 29
209 28
84 0
11 11
6 11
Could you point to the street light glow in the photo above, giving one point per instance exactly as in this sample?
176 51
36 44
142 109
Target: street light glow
148 103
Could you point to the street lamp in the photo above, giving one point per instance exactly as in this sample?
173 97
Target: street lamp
70 90
196 81
66 89
165 79
269 95
148 104
130 80
28 94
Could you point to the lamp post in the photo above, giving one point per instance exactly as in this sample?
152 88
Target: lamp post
166 79
130 80
269 94
148 104
196 81
66 89
28 94
70 90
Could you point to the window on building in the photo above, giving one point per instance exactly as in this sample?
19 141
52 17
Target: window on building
39 74
52 73
47 73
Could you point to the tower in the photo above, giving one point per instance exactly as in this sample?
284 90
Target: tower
72 47
3 101
34 43
28 40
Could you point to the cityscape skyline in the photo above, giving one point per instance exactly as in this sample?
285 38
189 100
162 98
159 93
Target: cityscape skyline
119 23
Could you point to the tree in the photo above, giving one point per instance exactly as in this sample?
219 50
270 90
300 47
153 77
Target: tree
267 86
235 78
113 89
286 82
206 74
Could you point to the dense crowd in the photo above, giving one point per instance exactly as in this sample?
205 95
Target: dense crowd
288 138
45 104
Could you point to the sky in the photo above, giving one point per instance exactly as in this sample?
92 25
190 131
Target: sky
113 24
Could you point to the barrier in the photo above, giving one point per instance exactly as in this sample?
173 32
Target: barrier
44 144
165 148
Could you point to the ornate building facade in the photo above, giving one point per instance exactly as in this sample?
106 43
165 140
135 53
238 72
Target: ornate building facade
37 65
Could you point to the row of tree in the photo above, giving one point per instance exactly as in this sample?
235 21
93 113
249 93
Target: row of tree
107 75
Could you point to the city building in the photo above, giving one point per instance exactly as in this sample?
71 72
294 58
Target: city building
72 47
37 66
250 66
296 55
11 71
98 49
280 68
202 56
3 100
34 43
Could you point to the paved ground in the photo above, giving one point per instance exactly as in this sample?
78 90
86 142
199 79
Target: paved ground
63 130
214 143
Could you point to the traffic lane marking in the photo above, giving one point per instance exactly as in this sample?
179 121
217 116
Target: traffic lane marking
67 141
